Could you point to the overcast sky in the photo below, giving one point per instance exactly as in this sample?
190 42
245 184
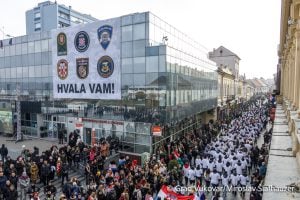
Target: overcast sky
248 28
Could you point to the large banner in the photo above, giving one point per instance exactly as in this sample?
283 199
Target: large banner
86 61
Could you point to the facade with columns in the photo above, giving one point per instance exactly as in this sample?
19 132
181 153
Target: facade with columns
289 69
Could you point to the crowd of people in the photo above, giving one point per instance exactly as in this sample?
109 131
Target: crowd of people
199 158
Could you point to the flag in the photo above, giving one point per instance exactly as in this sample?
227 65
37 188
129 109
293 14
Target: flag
167 193
1 44
10 41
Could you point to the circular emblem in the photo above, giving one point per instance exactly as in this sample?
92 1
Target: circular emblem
62 69
81 41
105 66
61 38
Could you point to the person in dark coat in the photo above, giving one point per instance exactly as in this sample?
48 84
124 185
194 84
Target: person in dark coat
13 179
3 180
3 152
13 193
45 172
64 173
60 136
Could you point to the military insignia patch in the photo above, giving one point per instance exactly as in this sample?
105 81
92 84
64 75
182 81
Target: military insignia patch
82 41
104 35
61 44
82 67
105 66
62 69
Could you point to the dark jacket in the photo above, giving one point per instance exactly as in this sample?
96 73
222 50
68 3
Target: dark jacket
45 170
3 180
3 150
12 195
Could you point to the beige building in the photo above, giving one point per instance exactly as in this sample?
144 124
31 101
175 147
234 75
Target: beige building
226 86
289 68
224 57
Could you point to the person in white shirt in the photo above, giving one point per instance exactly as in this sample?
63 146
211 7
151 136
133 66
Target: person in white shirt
214 179
204 163
243 181
225 183
192 176
238 167
234 179
198 174
219 166
198 161
211 164
227 168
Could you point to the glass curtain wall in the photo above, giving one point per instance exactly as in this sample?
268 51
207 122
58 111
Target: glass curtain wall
26 61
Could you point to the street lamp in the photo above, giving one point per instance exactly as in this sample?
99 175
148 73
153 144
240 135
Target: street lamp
4 34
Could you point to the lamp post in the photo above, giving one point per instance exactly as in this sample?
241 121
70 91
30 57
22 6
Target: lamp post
4 34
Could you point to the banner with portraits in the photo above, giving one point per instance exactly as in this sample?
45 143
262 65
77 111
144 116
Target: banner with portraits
86 61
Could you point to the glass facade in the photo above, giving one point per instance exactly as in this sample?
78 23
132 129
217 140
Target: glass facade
165 75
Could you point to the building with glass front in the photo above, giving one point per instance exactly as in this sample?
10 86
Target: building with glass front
167 82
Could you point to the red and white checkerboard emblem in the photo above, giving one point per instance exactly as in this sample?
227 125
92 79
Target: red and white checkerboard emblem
62 69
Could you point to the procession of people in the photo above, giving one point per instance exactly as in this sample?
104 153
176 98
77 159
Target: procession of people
222 164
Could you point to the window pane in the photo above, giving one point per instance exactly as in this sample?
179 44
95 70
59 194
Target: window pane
18 49
139 48
45 58
139 17
13 72
162 63
7 72
126 49
139 31
24 48
30 47
127 66
44 45
37 15
152 64
7 61
126 20
38 71
139 79
19 72
37 58
31 59
12 50
6 51
25 60
152 79
37 25
139 65
31 69
127 81
45 71
37 46
127 33
1 62
1 52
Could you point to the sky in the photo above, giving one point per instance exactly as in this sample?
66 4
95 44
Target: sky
250 29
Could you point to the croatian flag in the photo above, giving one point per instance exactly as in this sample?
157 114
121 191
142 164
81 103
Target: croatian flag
169 194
